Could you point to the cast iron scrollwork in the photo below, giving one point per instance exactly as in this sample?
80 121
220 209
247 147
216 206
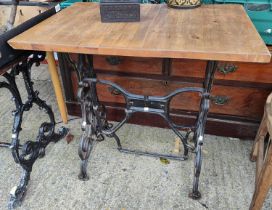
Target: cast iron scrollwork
95 125
93 122
27 153
198 137
93 114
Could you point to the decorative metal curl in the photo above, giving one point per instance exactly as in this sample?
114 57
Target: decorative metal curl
95 125
30 151
94 120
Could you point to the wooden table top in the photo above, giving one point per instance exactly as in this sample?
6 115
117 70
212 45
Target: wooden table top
210 32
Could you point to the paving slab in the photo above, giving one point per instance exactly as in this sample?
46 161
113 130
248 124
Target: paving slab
123 181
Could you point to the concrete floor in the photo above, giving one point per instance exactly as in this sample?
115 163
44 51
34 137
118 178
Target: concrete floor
120 181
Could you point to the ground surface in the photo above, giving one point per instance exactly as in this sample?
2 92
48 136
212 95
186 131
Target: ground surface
119 181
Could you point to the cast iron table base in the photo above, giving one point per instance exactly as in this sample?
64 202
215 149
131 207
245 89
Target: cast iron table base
27 153
95 125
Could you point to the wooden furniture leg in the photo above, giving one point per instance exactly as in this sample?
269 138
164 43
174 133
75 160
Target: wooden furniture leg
263 154
260 159
262 131
57 86
264 182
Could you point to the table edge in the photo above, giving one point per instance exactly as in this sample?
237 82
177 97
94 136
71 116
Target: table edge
217 56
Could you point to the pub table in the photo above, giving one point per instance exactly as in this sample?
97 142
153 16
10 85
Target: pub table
210 32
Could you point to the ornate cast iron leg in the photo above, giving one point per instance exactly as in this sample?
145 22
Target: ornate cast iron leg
200 126
95 125
27 154
150 104
93 113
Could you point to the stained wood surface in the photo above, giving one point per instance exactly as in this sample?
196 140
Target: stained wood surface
263 180
129 64
216 124
210 32
245 72
243 102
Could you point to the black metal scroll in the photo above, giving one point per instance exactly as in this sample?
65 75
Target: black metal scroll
26 154
95 125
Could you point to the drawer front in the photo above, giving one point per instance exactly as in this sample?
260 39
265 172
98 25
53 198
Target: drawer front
235 71
246 102
128 64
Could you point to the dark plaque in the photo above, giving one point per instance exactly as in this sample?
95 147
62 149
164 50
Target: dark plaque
120 10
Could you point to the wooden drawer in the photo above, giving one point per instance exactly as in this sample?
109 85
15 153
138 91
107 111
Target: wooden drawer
128 64
238 117
248 72
246 102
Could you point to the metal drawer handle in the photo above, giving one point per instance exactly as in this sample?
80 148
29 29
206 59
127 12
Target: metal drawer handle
114 91
113 60
226 68
220 100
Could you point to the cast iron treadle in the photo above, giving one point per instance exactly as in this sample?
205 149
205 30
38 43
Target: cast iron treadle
95 125
29 152
153 154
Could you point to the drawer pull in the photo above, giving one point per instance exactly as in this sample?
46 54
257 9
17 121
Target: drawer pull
220 100
165 83
114 91
113 60
226 68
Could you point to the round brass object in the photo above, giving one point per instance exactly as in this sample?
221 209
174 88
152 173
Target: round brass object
183 4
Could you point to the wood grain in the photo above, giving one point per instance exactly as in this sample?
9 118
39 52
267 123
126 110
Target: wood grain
129 64
264 158
244 102
52 68
216 124
247 72
210 32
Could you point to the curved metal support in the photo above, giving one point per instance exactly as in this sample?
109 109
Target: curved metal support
94 118
200 126
95 125
18 193
195 194
29 152
127 94
85 148
163 102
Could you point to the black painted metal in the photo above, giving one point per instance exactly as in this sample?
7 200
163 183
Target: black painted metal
65 62
29 3
200 125
95 125
26 155
8 145
7 54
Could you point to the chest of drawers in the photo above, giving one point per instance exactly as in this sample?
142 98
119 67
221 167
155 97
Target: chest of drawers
238 94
